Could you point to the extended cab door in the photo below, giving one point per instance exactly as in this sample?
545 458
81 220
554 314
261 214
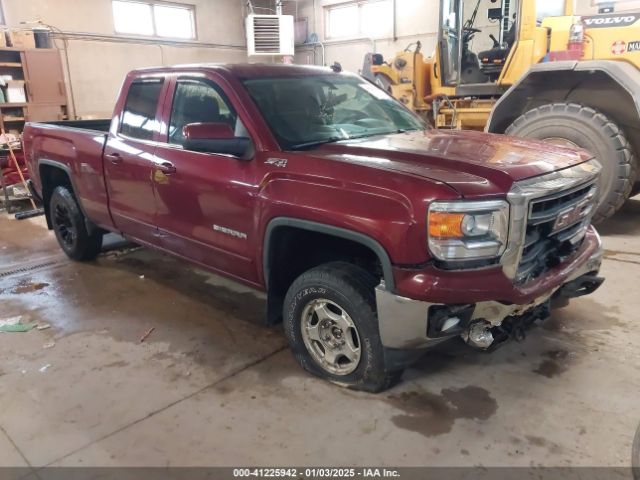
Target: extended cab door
206 202
129 158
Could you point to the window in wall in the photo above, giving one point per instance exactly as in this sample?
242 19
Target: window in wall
167 20
360 19
589 8
139 116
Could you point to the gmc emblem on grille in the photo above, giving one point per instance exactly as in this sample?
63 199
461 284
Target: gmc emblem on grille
573 214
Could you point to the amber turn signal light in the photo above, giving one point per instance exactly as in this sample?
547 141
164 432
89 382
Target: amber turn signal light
445 225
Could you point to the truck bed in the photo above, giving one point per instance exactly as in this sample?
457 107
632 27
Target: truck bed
98 125
75 146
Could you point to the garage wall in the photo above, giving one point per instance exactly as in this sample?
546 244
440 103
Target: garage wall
585 7
416 20
99 59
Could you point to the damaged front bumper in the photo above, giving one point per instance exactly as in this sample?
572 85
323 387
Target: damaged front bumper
409 324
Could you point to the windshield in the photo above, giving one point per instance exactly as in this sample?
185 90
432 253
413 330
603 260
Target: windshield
303 112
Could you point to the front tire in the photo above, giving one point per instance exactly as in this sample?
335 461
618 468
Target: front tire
571 124
70 227
331 323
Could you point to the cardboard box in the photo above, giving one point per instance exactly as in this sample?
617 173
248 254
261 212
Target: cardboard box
21 39
16 92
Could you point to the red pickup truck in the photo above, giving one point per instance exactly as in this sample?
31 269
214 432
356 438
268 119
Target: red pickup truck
373 235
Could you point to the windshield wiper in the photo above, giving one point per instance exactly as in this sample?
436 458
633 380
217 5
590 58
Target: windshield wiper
405 130
315 143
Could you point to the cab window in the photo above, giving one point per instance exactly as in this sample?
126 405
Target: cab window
200 101
139 115
549 8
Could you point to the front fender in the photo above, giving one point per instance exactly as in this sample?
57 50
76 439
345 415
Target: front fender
371 243
383 215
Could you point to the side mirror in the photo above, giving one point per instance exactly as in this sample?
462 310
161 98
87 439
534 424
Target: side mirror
216 138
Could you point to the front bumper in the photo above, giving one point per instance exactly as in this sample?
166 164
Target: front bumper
404 322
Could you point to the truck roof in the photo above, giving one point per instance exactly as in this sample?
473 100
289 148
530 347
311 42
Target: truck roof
244 70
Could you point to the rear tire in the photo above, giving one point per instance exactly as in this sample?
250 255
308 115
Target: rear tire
331 323
589 129
69 225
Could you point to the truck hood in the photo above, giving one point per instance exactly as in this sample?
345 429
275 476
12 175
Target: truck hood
473 163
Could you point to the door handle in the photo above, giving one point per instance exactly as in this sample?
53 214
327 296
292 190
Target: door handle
166 167
114 158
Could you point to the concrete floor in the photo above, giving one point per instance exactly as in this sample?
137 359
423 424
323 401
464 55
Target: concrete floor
212 386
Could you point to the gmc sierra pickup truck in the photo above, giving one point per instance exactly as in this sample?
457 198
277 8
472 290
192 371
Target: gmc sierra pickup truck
374 236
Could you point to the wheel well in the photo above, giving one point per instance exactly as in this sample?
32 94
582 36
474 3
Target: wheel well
592 88
294 250
50 178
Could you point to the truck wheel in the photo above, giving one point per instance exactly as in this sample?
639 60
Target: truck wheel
569 124
70 227
331 324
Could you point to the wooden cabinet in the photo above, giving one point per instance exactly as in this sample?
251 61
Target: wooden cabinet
40 112
44 76
45 89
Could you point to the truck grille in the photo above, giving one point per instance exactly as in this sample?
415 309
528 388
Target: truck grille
556 226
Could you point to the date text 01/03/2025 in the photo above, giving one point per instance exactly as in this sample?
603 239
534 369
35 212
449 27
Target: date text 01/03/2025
316 473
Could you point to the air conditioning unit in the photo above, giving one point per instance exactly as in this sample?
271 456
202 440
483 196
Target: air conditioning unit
270 35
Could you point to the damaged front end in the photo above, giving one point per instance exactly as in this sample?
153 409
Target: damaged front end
487 335
551 253
411 324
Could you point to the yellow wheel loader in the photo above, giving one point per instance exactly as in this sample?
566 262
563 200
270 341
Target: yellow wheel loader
533 69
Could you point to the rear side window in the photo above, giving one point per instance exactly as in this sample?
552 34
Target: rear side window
139 116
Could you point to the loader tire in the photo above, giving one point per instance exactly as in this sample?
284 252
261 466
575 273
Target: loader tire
570 124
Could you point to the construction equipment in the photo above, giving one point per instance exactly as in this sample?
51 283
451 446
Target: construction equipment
532 69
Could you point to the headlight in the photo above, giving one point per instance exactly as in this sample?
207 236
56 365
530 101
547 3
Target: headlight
462 230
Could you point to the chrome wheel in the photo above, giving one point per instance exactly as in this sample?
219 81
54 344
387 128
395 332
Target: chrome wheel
330 336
